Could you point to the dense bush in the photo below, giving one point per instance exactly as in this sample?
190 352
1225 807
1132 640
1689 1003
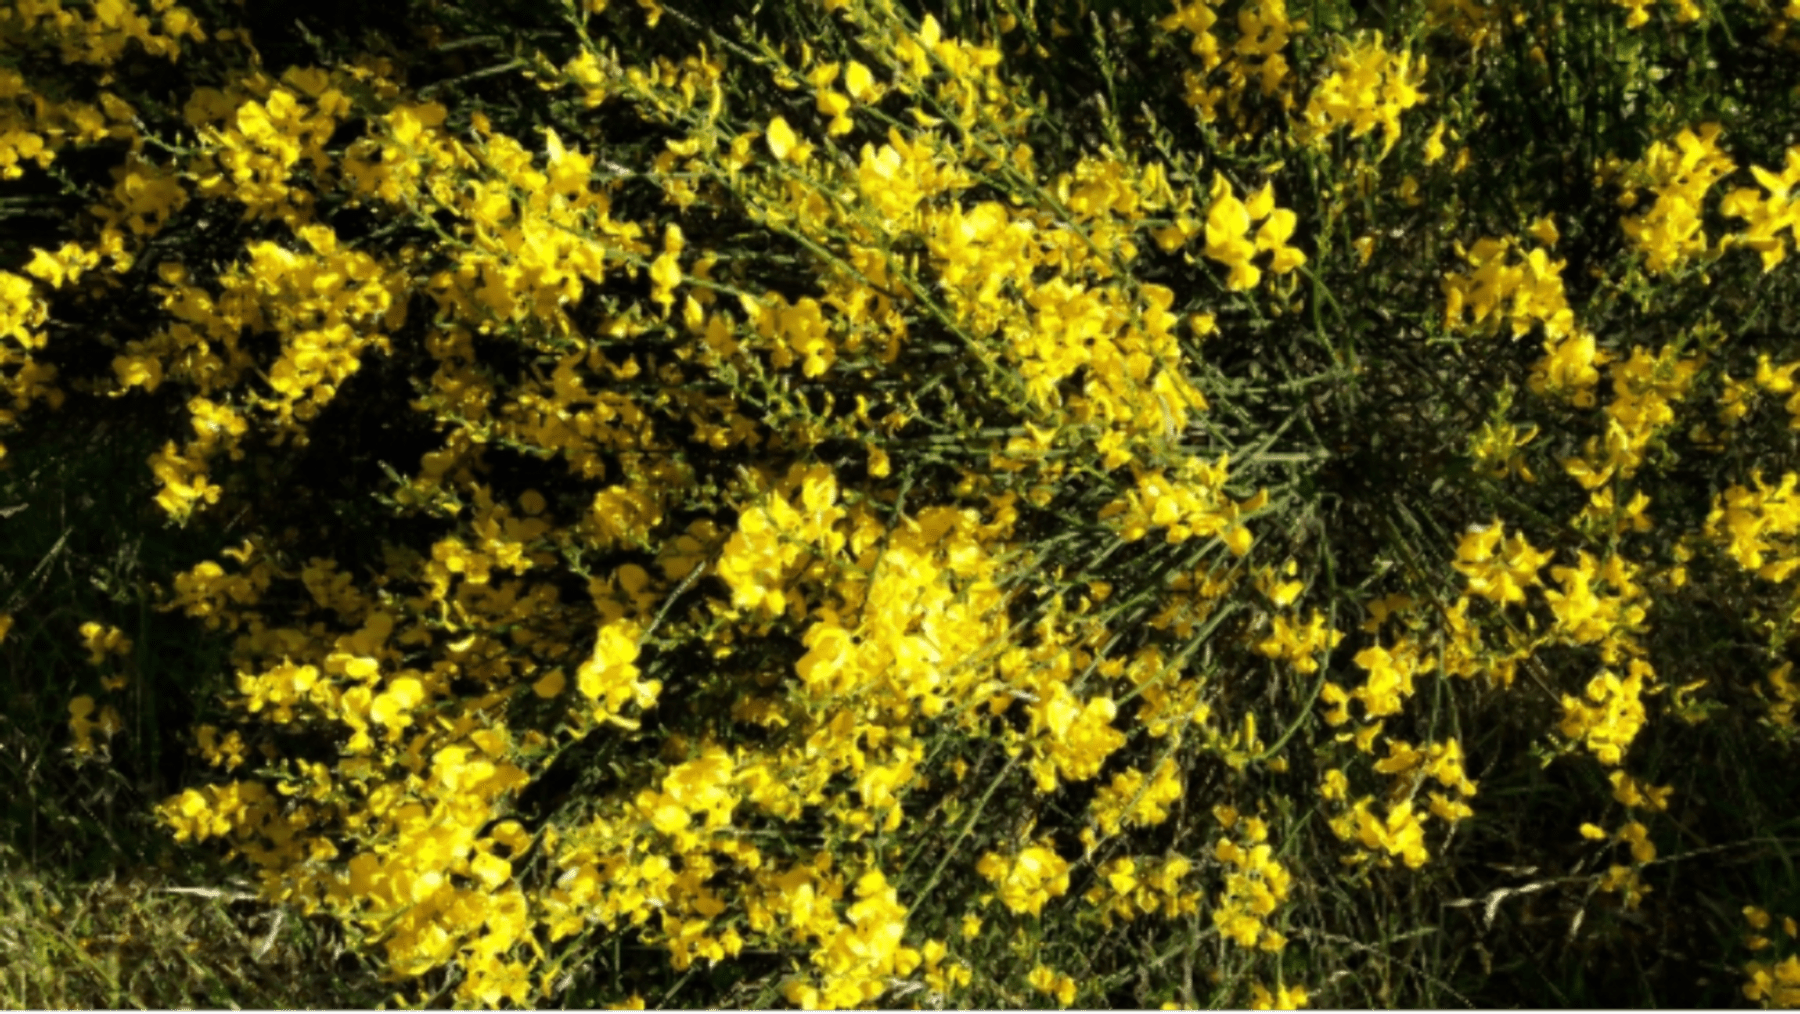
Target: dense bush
997 505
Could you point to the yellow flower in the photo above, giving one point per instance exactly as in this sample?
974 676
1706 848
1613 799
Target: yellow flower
1284 997
1544 229
101 640
784 144
860 83
551 684
1434 144
1029 880
1053 983
1228 221
1335 786
665 271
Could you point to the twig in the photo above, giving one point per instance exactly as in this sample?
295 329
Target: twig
211 892
1360 946
262 949
1491 902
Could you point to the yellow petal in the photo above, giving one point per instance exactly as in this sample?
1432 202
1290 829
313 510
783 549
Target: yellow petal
781 138
1226 218
858 81
1262 202
1545 231
552 684
1275 232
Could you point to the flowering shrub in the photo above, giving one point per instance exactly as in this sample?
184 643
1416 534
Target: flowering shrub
836 497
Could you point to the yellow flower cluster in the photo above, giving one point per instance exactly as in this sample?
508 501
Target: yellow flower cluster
1497 448
1774 984
1392 671
216 810
1299 644
1496 570
1767 213
84 722
1569 369
1644 390
101 34
857 958
1054 984
1758 527
1611 714
1282 998
1526 294
1473 23
1262 998
1190 505
1768 379
1255 885
1686 11
1130 886
1132 799
1369 86
1586 616
22 311
773 542
1785 692
1669 232
226 752
1264 30
1401 833
102 640
1228 223
1028 880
